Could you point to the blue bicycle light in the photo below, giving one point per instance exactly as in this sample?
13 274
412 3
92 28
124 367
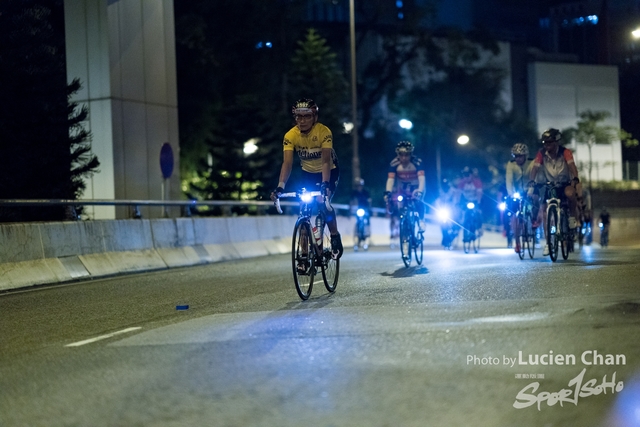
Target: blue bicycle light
443 214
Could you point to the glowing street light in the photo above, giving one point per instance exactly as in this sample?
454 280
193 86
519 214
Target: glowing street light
347 127
636 33
405 124
463 139
250 146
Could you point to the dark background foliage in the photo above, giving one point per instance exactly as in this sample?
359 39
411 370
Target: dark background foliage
43 149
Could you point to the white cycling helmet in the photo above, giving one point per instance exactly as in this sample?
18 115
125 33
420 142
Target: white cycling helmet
520 149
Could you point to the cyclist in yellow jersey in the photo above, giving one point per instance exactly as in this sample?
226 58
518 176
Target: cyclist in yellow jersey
313 142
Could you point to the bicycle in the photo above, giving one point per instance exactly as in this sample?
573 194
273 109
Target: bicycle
604 235
362 230
507 214
471 232
557 229
525 233
448 227
311 246
585 235
411 238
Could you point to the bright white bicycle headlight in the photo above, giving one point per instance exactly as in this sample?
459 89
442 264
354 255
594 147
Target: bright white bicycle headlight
600 224
516 195
471 205
400 198
443 214
305 197
502 206
360 212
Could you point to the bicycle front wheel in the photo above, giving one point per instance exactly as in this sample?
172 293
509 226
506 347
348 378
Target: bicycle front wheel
302 259
530 236
405 240
417 242
330 267
476 244
520 234
552 232
565 241
466 241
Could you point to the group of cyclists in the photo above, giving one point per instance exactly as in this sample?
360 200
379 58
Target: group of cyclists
313 142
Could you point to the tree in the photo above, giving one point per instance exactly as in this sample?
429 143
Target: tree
590 131
315 74
45 150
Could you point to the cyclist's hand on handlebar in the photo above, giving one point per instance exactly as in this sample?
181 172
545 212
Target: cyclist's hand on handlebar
324 188
530 187
275 194
386 196
416 194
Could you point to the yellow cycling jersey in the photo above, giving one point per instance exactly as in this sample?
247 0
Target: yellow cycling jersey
309 147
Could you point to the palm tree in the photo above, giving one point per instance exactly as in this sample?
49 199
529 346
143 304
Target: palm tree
590 131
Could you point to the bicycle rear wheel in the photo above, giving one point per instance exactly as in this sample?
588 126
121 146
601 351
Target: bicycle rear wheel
552 232
330 267
302 256
405 240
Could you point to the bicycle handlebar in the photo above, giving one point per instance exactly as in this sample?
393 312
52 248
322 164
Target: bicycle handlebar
327 203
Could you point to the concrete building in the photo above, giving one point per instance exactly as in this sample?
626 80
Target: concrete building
123 52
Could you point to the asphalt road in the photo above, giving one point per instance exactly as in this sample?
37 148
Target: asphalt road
453 342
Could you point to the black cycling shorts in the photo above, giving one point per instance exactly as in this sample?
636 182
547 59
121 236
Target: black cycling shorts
312 181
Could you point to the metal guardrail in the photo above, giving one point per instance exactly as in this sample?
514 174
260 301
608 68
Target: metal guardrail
186 205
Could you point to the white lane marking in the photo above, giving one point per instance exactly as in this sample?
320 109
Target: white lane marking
522 317
102 337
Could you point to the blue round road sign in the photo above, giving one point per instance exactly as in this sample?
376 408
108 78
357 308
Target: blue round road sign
166 160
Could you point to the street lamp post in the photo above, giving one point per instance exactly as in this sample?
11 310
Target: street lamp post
355 160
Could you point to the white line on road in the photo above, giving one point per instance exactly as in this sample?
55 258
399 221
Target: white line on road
102 337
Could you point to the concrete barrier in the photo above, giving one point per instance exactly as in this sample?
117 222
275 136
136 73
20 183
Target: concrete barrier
58 252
